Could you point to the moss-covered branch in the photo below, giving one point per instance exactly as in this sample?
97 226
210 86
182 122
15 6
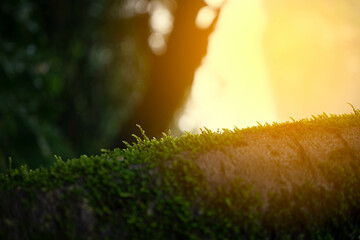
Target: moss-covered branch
297 180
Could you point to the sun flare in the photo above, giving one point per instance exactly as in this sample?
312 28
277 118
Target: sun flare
231 88
269 60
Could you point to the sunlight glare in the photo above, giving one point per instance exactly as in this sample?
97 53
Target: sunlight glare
271 60
205 17
312 52
231 87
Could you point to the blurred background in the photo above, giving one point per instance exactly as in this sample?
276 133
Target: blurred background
77 76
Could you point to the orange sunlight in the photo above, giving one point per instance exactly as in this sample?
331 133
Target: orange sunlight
272 59
231 88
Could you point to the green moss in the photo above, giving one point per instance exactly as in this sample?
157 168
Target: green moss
154 190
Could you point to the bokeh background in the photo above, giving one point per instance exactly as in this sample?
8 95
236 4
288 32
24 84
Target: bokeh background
77 76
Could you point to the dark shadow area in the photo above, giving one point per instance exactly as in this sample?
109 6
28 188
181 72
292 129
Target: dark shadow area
76 77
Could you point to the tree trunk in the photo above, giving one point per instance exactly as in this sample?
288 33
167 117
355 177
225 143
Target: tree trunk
172 74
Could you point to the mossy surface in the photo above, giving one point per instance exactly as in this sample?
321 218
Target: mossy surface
155 189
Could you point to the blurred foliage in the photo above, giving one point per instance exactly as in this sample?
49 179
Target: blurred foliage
63 66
